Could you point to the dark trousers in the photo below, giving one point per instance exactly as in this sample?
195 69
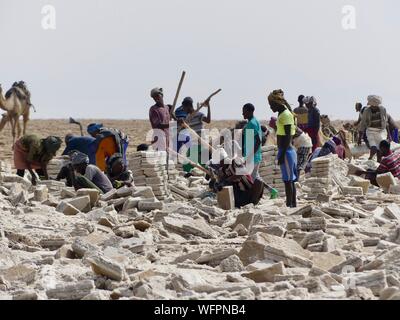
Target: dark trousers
21 172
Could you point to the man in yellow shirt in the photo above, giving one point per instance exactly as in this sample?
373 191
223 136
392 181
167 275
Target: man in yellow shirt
287 157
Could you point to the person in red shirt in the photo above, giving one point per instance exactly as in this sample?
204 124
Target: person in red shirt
159 117
390 163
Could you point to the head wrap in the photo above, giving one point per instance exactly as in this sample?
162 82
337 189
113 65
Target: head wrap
93 127
156 91
310 100
374 101
277 97
272 122
52 144
79 158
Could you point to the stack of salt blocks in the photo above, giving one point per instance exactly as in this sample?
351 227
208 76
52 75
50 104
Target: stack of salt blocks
320 180
327 174
149 169
270 171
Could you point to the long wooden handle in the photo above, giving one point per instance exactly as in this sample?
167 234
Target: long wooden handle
178 91
203 104
212 95
205 143
191 162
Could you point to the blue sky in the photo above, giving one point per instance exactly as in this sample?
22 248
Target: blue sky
105 56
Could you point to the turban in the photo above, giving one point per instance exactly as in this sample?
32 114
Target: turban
277 97
79 158
52 144
93 127
272 122
374 101
308 100
156 91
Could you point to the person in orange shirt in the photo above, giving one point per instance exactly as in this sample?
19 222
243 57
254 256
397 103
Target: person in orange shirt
109 142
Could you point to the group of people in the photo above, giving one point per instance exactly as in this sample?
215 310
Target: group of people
99 159
95 161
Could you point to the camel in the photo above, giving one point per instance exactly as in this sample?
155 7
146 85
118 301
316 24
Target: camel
17 103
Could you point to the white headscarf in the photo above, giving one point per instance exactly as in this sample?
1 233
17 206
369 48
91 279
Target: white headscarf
374 100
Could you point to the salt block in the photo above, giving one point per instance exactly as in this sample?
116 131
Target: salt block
360 182
353 191
226 198
394 189
146 205
81 203
67 209
145 192
354 168
92 193
41 193
386 180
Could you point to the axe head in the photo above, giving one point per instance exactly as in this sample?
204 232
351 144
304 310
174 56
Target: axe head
73 121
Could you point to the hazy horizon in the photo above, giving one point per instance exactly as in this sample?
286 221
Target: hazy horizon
105 56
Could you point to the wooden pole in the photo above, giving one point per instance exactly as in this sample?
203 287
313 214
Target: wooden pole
205 143
172 111
178 91
203 104
191 162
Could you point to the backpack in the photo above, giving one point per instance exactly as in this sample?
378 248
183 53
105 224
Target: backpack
120 138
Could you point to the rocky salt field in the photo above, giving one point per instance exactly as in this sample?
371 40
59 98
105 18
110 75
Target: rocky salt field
342 242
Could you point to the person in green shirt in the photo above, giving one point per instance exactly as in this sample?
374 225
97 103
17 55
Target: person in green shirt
32 153
252 138
287 157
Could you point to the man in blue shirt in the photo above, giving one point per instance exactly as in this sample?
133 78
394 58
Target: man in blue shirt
81 144
252 153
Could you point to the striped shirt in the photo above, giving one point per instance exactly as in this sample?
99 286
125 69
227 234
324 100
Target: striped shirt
391 163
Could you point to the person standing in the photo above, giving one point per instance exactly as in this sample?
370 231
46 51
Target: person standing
287 157
159 117
360 110
394 129
252 154
314 121
303 144
181 136
375 122
301 113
